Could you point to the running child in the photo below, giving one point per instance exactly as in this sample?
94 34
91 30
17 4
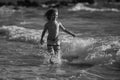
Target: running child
53 26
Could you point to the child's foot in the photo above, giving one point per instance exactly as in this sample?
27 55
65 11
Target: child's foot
55 60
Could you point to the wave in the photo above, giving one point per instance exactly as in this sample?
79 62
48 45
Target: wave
80 6
21 34
76 50
6 11
76 47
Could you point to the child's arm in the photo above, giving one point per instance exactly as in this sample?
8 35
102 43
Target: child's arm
65 30
43 34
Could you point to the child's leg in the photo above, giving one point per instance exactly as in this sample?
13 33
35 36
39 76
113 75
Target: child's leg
56 49
57 52
51 52
50 49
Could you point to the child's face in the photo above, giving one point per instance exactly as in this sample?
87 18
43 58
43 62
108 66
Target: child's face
54 15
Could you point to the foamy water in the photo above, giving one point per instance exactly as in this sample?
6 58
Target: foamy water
22 34
6 11
80 6
73 49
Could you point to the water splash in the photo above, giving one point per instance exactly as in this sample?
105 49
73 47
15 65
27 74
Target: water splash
77 50
91 50
76 47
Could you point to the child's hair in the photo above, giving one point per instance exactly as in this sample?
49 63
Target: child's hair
49 13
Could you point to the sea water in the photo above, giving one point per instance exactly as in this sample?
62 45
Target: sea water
83 49
88 57
79 53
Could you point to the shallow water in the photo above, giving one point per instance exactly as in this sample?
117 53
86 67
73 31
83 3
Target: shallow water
90 55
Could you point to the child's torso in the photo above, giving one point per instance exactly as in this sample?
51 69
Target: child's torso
53 30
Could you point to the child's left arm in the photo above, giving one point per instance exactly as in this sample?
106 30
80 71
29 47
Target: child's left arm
65 30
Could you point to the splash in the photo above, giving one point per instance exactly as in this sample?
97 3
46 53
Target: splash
80 6
76 50
91 50
76 47
105 53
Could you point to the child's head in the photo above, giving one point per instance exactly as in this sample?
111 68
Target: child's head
51 14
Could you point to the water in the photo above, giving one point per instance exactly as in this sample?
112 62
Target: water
93 55
80 6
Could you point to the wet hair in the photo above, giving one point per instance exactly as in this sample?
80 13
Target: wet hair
49 13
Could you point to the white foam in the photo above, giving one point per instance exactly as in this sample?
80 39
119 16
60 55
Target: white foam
6 11
105 52
20 33
77 47
80 6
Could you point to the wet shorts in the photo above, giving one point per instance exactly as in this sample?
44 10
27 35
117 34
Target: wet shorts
56 48
53 45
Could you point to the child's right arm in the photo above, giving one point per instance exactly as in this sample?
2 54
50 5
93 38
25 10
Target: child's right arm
43 34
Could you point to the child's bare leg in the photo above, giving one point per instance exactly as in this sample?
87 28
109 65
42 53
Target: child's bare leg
57 53
56 49
51 53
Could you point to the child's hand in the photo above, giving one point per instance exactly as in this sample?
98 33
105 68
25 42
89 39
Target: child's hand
42 42
73 35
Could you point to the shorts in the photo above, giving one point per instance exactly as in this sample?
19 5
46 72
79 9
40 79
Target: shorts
56 48
53 45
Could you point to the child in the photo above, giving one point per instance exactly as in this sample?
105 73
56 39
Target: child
53 26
